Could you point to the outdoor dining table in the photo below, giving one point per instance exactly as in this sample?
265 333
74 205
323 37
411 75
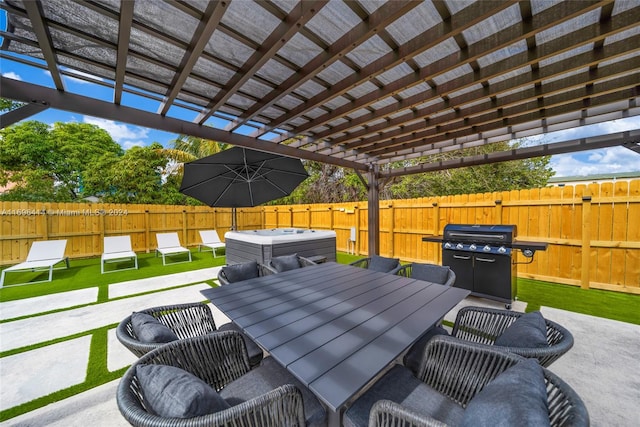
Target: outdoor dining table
333 326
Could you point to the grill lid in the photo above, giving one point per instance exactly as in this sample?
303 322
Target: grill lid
490 234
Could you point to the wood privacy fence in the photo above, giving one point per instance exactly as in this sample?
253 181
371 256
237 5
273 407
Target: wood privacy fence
593 231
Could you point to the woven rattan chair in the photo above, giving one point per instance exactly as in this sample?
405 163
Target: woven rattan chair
484 325
262 270
386 413
302 262
267 395
369 263
186 321
454 372
428 272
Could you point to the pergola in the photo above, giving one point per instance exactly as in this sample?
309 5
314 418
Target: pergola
382 87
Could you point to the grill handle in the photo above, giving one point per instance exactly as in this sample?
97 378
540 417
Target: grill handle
485 259
462 257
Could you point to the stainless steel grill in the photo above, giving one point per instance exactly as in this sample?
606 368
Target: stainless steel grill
482 258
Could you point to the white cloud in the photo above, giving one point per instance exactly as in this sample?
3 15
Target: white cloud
128 144
81 74
606 160
77 73
11 75
126 136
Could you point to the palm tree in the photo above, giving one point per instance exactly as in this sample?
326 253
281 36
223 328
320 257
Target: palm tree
188 148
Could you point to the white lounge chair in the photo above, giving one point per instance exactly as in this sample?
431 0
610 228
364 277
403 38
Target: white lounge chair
211 240
118 248
43 255
169 244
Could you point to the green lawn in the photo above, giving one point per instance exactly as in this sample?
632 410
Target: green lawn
595 302
85 273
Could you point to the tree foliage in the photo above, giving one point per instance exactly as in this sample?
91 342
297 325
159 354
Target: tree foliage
70 161
48 163
8 105
134 177
503 176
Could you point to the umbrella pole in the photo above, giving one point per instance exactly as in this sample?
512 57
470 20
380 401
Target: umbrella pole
234 223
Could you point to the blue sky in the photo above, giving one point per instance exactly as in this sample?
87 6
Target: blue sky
609 160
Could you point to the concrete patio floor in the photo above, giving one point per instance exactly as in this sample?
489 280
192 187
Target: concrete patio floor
602 366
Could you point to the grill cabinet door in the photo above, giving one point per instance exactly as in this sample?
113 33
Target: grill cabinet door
462 264
492 275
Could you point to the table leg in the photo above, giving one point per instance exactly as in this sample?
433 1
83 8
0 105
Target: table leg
334 418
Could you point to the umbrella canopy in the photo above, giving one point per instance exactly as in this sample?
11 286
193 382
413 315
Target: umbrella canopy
240 177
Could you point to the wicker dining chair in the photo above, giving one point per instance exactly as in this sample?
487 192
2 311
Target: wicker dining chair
242 271
267 395
378 263
185 321
434 273
485 325
451 375
288 262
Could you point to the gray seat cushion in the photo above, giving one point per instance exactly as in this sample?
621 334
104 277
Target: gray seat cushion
175 393
430 273
400 386
237 272
528 331
254 351
148 329
266 377
382 264
516 397
414 356
285 262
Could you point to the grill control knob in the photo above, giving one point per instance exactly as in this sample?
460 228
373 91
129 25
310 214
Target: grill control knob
459 246
502 249
473 247
447 245
487 248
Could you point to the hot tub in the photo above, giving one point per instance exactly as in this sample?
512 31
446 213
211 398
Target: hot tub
262 245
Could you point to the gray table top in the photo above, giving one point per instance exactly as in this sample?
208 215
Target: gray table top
333 326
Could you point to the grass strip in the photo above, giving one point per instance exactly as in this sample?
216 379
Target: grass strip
595 302
85 273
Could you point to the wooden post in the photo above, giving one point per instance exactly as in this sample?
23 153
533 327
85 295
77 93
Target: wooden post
373 202
586 240
146 229
436 227
330 218
102 221
392 228
184 228
356 212
309 217
45 224
498 212
436 218
291 217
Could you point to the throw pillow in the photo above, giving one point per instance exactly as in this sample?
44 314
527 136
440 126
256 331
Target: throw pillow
175 393
383 264
238 272
529 330
148 329
516 397
430 273
285 263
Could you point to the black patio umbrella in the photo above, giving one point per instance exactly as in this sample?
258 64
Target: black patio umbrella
240 177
